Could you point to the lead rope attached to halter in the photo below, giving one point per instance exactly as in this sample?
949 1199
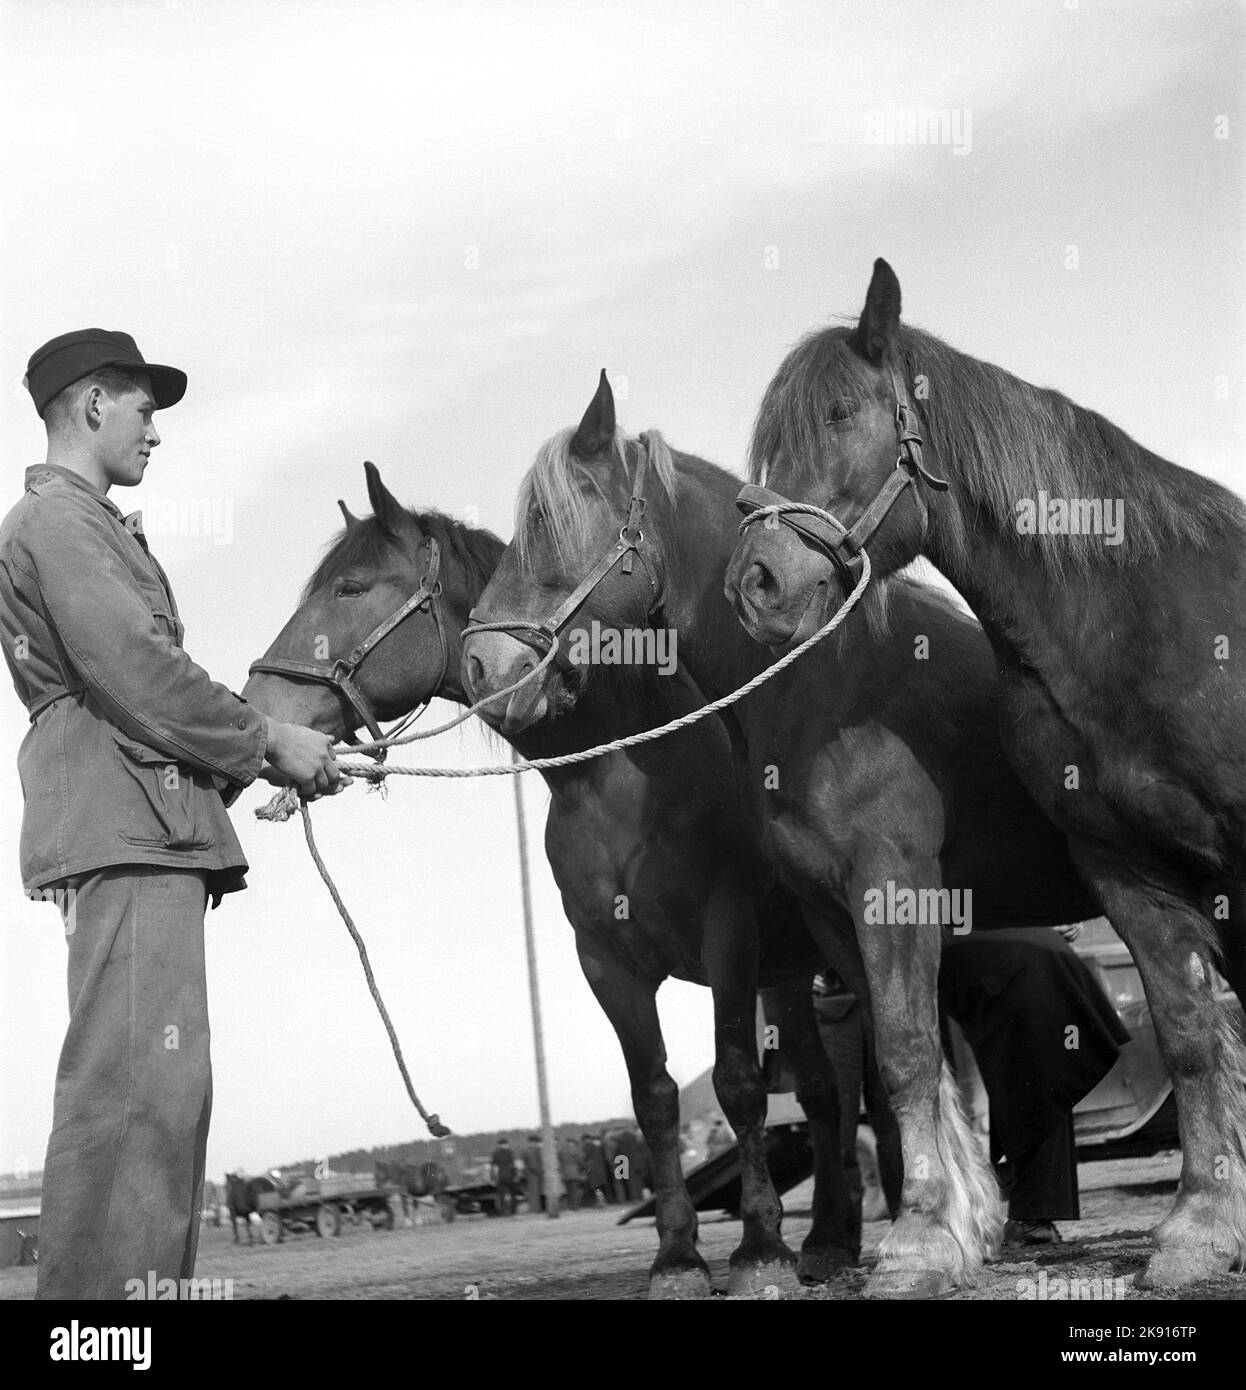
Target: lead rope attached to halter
282 806
435 1127
284 803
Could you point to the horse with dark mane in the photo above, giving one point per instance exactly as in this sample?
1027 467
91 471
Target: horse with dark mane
242 1197
660 874
872 767
1112 586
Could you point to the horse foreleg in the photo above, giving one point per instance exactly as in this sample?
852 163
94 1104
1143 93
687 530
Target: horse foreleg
1171 940
834 1239
951 1213
630 1005
762 1261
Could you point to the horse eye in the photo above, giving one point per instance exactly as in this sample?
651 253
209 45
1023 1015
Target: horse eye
350 589
840 412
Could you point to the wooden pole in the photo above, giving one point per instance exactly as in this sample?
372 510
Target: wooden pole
549 1153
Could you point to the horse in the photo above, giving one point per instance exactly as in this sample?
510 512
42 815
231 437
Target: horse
1112 586
242 1197
872 764
658 873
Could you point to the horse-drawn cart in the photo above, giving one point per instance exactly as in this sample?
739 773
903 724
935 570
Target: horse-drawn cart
309 1206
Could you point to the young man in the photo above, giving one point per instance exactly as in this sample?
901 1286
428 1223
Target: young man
132 755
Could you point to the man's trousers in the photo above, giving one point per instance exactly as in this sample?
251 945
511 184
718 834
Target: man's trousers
123 1178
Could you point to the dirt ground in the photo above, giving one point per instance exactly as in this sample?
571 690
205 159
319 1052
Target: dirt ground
586 1255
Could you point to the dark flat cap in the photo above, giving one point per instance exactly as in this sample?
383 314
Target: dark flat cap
74 355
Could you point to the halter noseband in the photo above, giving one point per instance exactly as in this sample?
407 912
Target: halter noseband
340 673
843 544
544 635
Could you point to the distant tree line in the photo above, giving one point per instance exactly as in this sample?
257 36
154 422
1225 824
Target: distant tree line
461 1155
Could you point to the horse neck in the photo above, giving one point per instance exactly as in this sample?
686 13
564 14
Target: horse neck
1015 598
1021 598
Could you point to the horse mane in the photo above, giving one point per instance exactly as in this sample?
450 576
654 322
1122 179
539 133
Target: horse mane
366 541
550 494
999 439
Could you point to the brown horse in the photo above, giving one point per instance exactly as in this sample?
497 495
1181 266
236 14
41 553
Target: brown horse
872 765
659 873
1112 586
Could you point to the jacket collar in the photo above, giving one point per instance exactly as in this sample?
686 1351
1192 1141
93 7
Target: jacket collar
42 471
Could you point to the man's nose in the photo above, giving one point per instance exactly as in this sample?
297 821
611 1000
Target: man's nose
153 436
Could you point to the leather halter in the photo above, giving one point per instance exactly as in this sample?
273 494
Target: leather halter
843 544
543 635
340 674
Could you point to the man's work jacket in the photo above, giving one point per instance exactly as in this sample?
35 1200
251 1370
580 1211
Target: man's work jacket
133 751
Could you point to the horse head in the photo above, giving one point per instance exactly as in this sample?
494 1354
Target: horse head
835 429
580 557
375 633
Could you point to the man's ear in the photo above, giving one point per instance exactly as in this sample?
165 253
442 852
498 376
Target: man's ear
91 404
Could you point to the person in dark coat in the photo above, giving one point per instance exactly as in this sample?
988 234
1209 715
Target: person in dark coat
534 1174
629 1181
1043 1035
502 1174
596 1179
571 1170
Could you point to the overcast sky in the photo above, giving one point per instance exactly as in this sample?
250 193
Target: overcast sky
414 233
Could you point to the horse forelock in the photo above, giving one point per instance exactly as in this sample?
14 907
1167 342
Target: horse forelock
818 372
1000 442
553 494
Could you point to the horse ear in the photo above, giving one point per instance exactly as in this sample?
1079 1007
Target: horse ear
596 432
880 319
347 515
386 507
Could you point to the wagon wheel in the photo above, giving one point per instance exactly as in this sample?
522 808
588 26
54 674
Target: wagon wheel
270 1228
328 1220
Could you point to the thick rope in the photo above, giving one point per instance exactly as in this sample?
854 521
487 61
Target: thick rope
391 740
435 1127
282 806
284 803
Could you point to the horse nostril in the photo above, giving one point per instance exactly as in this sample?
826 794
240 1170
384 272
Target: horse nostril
475 673
759 582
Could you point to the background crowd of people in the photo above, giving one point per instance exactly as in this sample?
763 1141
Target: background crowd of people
607 1169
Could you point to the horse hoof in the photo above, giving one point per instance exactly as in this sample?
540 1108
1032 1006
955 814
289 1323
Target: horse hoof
908 1283
673 1284
1176 1268
768 1279
824 1263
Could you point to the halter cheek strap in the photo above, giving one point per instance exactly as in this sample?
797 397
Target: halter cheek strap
544 634
340 673
843 544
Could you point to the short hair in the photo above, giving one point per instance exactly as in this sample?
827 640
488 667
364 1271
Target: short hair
113 381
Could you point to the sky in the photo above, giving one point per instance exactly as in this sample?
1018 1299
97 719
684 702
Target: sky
414 234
